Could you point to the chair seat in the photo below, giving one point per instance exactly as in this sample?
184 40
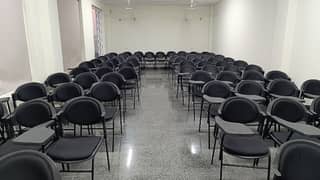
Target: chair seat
281 137
251 146
74 148
10 147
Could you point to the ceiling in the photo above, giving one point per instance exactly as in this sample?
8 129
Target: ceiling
159 2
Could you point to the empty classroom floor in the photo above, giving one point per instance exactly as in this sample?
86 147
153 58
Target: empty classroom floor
161 141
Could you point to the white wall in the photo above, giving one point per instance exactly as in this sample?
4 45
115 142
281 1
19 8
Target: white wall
304 59
14 61
244 29
154 28
71 34
43 37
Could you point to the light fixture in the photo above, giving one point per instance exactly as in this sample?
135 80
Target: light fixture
192 4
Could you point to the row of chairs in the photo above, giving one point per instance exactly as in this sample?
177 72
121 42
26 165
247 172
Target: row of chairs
289 165
238 96
70 103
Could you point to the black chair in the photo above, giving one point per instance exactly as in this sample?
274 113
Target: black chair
108 94
170 54
85 80
117 79
222 64
115 61
81 111
78 70
103 70
183 76
237 139
3 128
315 110
212 69
197 81
28 165
233 68
228 77
255 68
29 91
219 57
132 82
125 64
149 57
273 75
298 159
139 54
283 88
251 90
29 115
56 79
99 61
214 93
290 120
241 64
87 64
229 60
310 89
64 93
253 75
111 55
182 53
161 58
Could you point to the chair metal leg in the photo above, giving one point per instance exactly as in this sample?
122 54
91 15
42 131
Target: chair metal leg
113 135
120 114
221 164
194 108
209 124
269 166
201 109
215 134
189 97
106 144
92 169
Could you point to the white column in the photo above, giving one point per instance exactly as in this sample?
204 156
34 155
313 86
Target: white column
43 37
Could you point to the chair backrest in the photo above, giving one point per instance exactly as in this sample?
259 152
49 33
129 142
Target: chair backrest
111 55
272 75
232 68
125 64
219 57
139 54
311 86
149 54
182 53
115 78
134 61
115 61
160 54
250 88
128 73
222 63
315 106
254 67
105 91
228 76
57 78
99 60
201 76
29 91
298 159
85 80
229 60
108 64
103 70
283 87
33 113
78 70
87 64
170 54
82 111
253 75
240 63
217 89
66 92
213 60
26 165
287 109
187 68
239 110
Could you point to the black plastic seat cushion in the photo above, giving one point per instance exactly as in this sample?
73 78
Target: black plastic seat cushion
282 137
74 148
245 145
10 147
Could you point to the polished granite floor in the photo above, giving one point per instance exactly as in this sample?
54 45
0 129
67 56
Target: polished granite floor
161 141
